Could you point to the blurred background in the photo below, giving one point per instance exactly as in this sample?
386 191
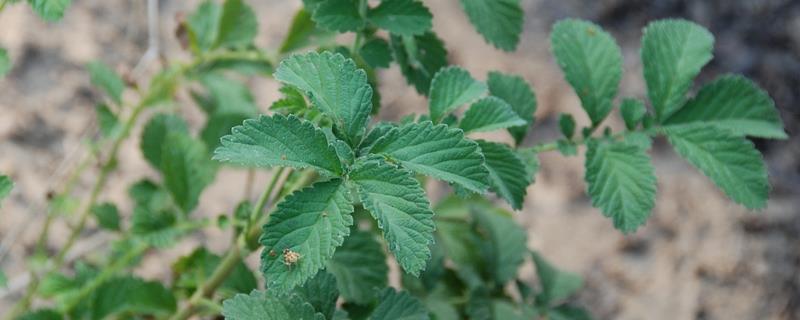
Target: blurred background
700 256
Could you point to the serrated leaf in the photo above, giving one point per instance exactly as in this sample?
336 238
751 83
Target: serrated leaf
733 103
321 293
376 52
498 21
6 185
489 114
203 25
507 242
103 77
238 25
673 52
227 96
106 120
504 172
420 58
566 123
518 93
155 134
335 85
531 160
339 15
260 305
633 111
731 161
50 10
401 17
556 285
395 305
219 125
451 88
304 32
186 169
397 201
309 224
132 295
5 62
192 271
436 151
107 215
279 141
360 267
621 183
592 64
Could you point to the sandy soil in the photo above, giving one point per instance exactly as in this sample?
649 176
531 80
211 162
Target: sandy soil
699 257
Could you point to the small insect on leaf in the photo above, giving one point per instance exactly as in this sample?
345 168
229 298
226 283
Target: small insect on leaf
290 257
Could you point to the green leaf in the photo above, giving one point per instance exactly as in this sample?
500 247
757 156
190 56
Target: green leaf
489 114
633 111
339 15
41 314
401 17
203 25
451 88
6 185
360 267
731 161
592 64
155 134
107 215
50 10
162 87
335 85
568 312
309 225
531 160
395 305
376 52
321 293
556 285
734 103
436 151
502 309
517 92
260 305
279 141
5 62
397 201
106 120
194 270
499 21
3 280
621 183
673 52
507 242
186 169
420 58
304 32
219 125
504 172
132 295
566 123
238 25
103 77
228 96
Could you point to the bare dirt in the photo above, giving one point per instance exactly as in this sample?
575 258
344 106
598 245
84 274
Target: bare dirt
699 257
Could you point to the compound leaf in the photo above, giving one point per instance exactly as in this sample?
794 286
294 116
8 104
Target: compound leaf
592 64
155 134
499 21
335 85
516 92
261 305
303 233
402 17
489 114
339 15
279 140
419 57
397 201
50 10
103 77
736 104
621 183
557 285
395 305
186 169
360 267
452 87
238 24
505 168
673 52
437 151
731 161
